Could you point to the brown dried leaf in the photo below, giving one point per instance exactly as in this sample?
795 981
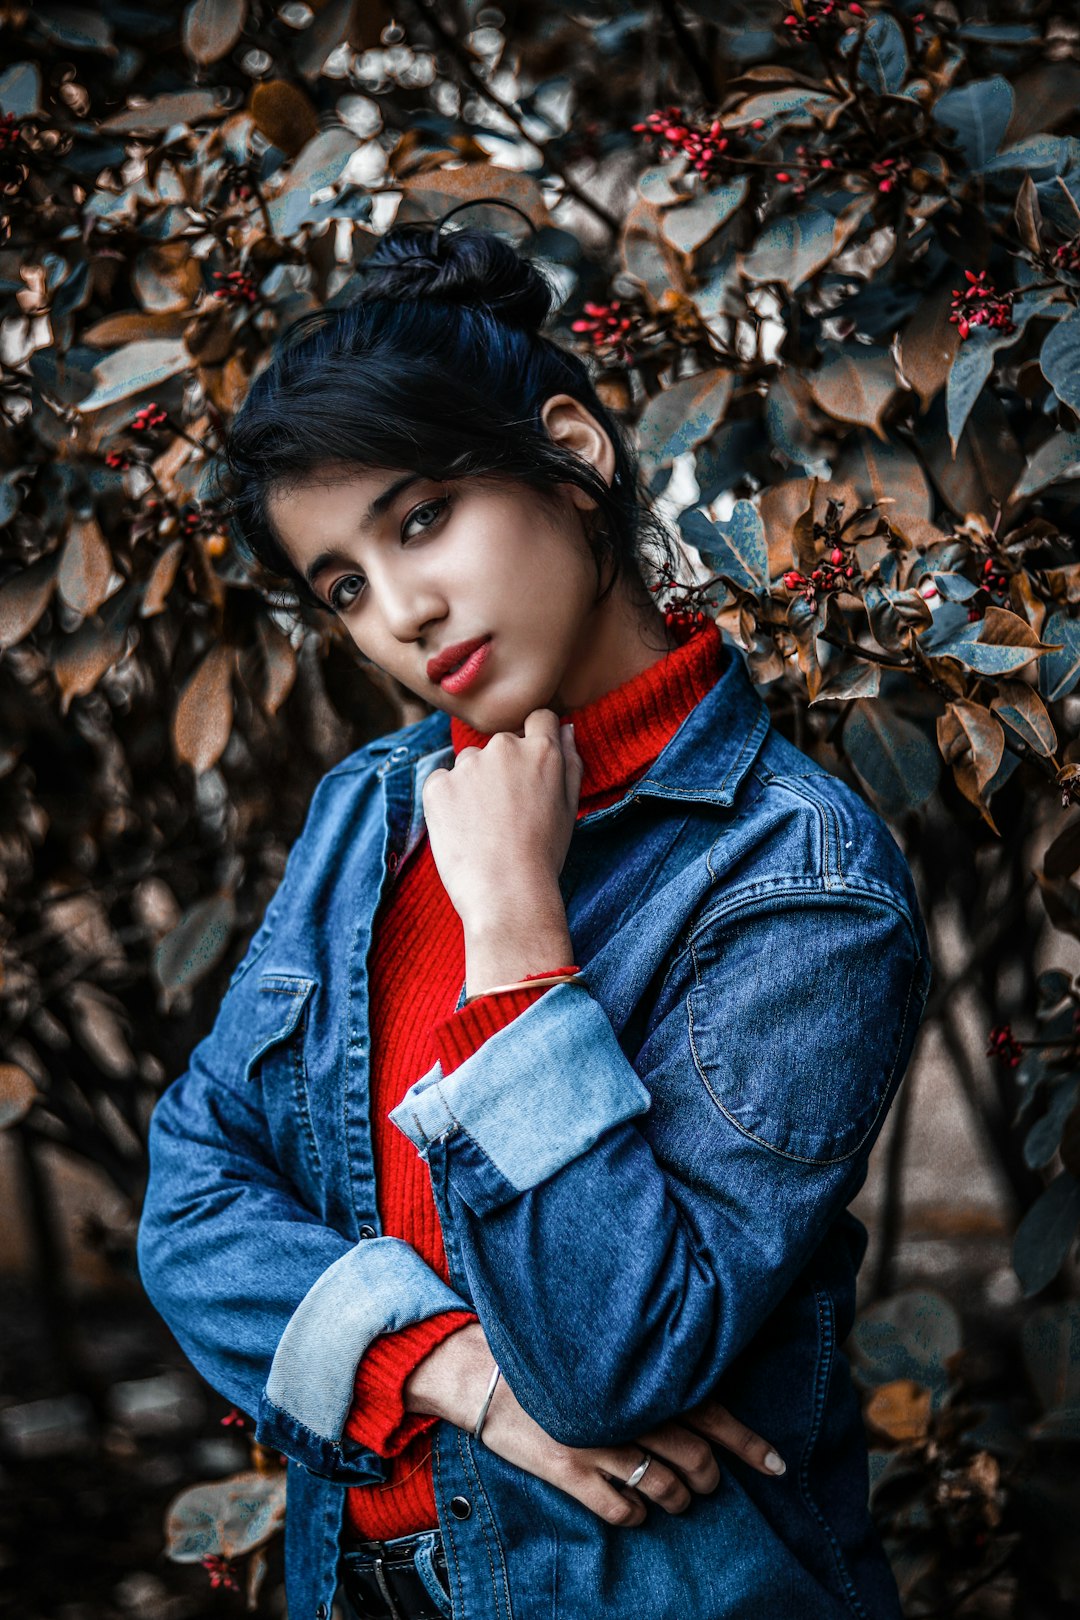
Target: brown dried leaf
204 712
84 657
161 579
212 28
116 330
18 1094
928 346
900 1410
85 567
855 386
23 599
284 114
167 278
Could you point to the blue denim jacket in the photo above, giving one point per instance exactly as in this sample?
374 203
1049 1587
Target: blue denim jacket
641 1180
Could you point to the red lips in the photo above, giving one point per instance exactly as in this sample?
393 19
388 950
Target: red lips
451 657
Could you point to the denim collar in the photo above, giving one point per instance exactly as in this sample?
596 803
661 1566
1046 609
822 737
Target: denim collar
705 760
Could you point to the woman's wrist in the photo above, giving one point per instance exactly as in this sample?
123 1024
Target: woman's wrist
516 936
450 1382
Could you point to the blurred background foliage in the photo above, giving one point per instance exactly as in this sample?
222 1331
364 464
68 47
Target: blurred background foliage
826 261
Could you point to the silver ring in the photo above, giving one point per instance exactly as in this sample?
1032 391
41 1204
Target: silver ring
639 1472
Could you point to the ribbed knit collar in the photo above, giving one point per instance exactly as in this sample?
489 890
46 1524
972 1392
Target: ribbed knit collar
619 734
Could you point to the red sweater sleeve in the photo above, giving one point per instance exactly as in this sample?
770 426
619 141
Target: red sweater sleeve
377 1418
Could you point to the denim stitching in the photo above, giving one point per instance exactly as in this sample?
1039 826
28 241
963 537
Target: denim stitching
821 1387
798 1158
448 1540
469 1467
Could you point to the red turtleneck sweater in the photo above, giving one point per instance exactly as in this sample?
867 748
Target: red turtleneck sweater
416 969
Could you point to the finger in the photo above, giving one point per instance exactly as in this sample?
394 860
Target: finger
718 1423
659 1483
611 1501
542 723
691 1453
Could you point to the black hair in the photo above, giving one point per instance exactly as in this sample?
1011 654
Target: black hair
439 367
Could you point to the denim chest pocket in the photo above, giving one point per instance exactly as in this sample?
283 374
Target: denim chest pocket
801 1050
276 1060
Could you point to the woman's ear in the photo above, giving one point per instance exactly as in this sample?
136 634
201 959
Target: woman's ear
570 424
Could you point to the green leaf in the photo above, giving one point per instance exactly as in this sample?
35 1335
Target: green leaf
1058 458
1044 1138
894 758
736 548
1060 359
191 949
677 419
20 90
975 359
912 1335
1060 671
954 587
134 368
175 107
978 115
794 247
225 1518
1018 706
690 225
883 59
851 681
1046 1233
319 164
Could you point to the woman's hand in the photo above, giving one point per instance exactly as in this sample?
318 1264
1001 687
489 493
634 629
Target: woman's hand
500 824
451 1383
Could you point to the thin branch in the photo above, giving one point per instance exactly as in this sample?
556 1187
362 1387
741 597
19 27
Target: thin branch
430 12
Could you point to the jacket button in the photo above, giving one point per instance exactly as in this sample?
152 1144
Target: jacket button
392 862
460 1507
368 1231
322 1612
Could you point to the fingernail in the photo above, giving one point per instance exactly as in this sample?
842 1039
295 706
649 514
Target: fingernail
774 1463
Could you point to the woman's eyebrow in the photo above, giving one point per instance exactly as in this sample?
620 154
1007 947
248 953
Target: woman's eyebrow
374 512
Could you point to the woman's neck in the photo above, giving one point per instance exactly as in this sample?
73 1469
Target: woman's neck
621 639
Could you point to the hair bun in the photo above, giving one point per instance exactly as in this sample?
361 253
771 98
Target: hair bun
466 266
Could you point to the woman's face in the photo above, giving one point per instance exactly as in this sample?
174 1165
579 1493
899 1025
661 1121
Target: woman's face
416 568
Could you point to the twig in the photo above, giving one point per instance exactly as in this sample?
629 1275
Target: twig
430 12
689 47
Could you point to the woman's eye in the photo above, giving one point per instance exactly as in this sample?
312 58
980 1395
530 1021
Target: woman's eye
435 506
345 591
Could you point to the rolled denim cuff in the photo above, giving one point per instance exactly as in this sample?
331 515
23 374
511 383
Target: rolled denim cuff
533 1098
380 1286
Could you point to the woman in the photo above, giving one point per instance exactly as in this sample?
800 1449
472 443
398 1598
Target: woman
525 1133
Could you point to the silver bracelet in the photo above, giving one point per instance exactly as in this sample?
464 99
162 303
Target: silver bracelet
479 1424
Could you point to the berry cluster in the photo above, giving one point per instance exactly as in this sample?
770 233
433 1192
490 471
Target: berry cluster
231 1418
207 522
817 15
981 304
1067 255
118 460
221 1572
608 327
237 286
995 584
686 604
151 416
1004 1046
706 144
889 171
10 133
832 574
